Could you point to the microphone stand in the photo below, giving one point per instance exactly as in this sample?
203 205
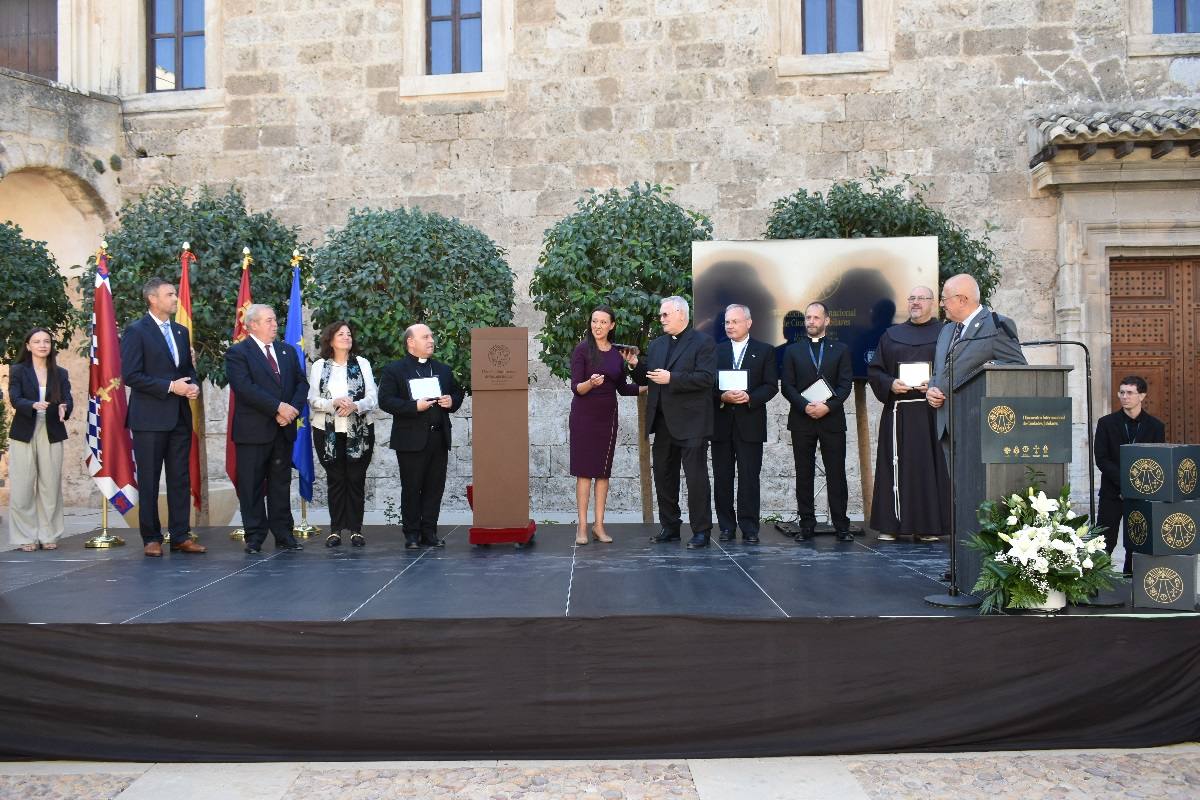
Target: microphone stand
953 597
1091 471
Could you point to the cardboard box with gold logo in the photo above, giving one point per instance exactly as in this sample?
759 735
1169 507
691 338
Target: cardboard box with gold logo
1165 581
1163 529
1164 472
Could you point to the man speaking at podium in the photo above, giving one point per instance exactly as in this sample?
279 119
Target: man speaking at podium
977 336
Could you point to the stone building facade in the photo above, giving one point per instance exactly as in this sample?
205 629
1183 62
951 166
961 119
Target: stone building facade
315 107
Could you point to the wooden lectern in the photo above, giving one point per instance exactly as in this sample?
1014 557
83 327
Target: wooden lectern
499 493
976 481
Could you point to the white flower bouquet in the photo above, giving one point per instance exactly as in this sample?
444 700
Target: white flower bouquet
1032 545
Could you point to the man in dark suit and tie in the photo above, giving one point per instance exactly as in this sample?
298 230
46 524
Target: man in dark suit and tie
740 424
977 337
420 394
820 421
680 368
156 365
269 391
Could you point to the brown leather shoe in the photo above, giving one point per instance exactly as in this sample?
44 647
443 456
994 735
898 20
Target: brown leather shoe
188 546
152 550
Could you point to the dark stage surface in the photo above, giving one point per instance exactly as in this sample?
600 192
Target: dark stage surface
603 651
776 579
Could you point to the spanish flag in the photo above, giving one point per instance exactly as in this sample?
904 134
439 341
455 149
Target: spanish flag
184 317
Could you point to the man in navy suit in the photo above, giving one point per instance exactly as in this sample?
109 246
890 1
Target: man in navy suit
156 364
822 422
740 425
269 390
680 368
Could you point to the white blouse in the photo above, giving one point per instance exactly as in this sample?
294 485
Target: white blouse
322 405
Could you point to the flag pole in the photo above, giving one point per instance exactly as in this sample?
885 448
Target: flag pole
238 534
105 539
304 530
106 414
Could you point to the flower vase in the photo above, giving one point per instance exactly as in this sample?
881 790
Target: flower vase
1056 600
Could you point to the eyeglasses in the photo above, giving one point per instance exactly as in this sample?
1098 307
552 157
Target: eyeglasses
914 298
946 298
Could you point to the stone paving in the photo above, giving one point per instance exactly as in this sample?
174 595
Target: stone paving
1171 773
1083 776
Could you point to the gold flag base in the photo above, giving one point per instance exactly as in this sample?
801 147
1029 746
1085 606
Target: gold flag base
104 539
304 530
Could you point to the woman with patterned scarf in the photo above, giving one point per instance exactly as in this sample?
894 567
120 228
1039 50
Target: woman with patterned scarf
341 396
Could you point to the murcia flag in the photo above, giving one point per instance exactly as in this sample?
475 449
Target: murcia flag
109 454
239 333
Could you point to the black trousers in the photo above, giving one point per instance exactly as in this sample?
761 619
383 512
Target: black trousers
833 456
271 464
1109 513
746 459
422 482
154 450
668 454
347 481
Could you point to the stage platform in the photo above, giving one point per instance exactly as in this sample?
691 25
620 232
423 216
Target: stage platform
622 650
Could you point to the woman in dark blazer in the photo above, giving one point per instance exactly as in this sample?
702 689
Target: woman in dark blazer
40 391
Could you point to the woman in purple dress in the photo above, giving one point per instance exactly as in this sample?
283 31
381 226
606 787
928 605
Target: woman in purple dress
598 375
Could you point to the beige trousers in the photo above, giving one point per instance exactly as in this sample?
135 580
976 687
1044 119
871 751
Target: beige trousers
35 497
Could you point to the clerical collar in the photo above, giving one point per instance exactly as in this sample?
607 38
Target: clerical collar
815 339
417 359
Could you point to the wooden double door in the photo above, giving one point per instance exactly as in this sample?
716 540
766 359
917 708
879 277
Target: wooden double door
1156 334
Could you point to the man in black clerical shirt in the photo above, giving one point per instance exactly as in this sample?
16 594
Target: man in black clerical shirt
1128 426
420 394
680 367
822 421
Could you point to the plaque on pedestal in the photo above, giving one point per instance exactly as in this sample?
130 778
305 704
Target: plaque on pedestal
1165 581
1163 472
1163 529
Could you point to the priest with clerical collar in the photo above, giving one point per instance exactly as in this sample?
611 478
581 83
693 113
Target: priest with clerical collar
420 393
912 484
1130 424
817 380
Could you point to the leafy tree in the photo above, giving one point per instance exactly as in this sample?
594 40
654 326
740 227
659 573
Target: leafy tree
217 226
852 211
627 249
387 270
33 293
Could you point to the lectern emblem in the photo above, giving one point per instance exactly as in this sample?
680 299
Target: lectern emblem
1138 528
1002 419
499 355
1186 474
1179 531
1163 585
1146 475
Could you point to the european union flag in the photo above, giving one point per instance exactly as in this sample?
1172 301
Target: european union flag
293 334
